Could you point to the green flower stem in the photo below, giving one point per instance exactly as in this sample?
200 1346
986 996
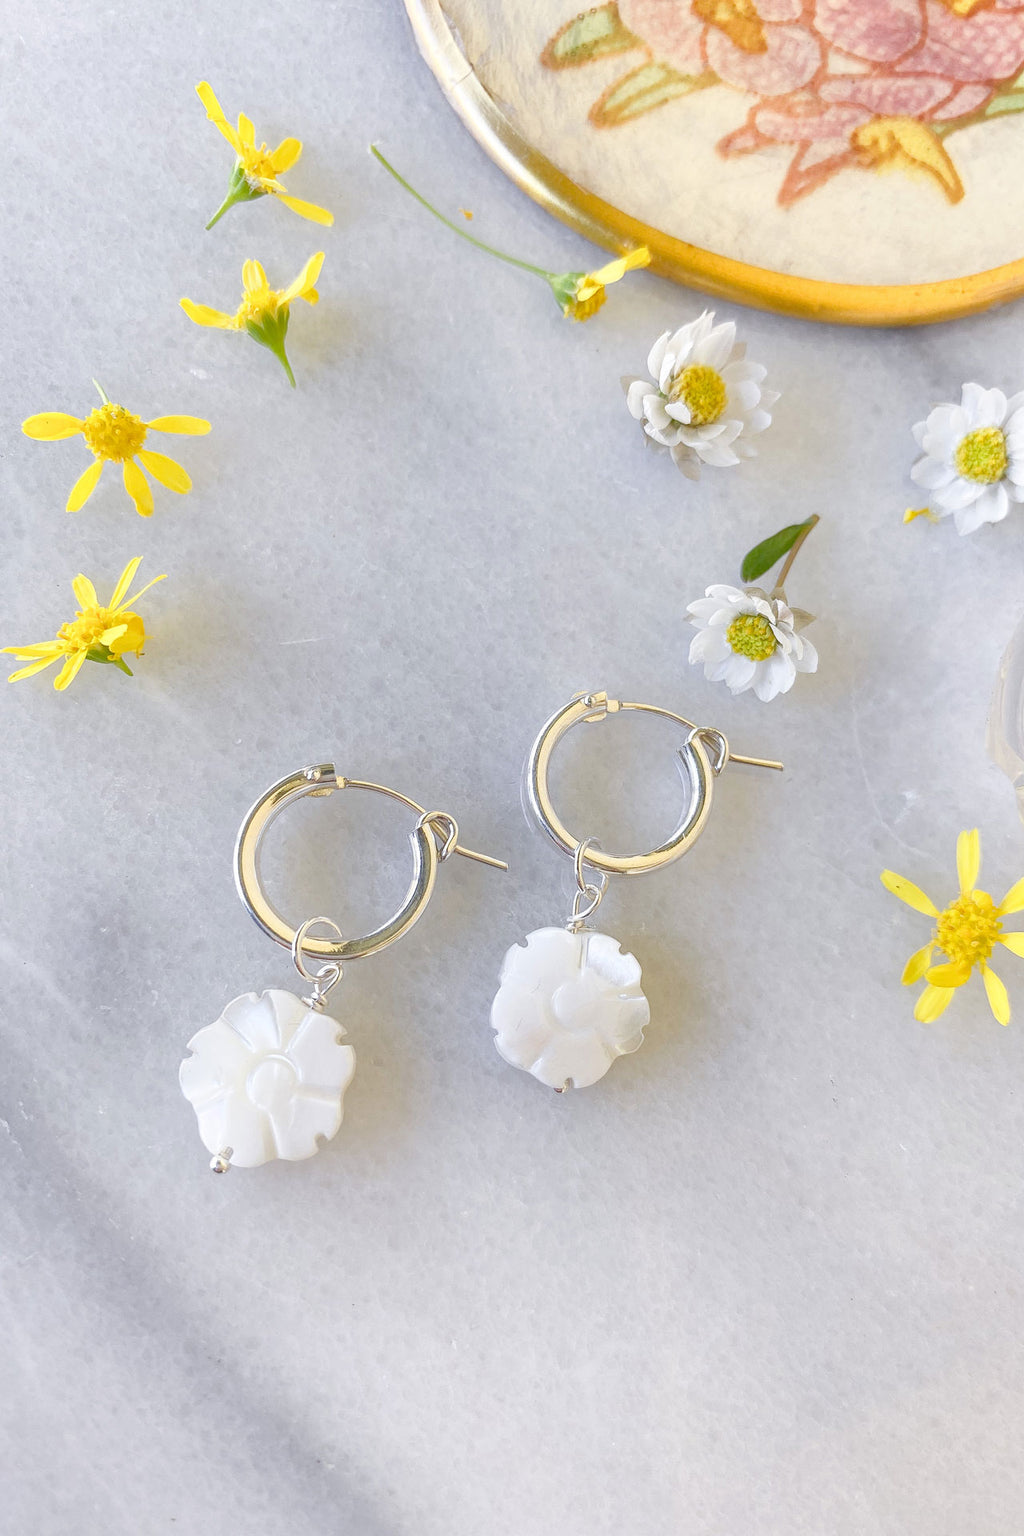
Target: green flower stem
812 523
551 277
270 333
239 191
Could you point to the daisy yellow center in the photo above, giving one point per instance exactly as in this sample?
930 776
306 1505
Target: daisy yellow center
258 165
751 635
113 433
85 631
969 928
982 456
702 390
582 309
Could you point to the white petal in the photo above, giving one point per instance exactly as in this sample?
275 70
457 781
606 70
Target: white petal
657 354
931 474
636 394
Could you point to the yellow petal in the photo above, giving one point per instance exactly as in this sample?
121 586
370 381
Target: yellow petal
188 426
124 581
113 633
166 470
84 486
1014 943
303 286
138 488
85 592
932 1002
36 666
611 273
51 426
998 997
917 965
1013 901
69 671
246 131
951 975
912 512
24 652
215 113
907 891
285 155
903 141
306 210
203 314
968 860
132 636
253 277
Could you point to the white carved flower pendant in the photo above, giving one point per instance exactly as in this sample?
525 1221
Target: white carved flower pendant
568 1005
267 1079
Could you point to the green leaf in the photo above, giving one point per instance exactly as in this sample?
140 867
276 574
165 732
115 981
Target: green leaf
589 36
642 90
1008 101
763 556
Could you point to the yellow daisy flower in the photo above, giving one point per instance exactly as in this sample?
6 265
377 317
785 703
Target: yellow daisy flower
256 171
578 294
116 435
263 311
966 932
98 632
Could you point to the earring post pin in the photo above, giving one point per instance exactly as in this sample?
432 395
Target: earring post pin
755 762
481 858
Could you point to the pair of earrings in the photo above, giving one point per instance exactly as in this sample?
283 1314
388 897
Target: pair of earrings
268 1078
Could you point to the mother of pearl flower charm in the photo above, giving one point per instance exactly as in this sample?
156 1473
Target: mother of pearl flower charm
267 1079
569 1001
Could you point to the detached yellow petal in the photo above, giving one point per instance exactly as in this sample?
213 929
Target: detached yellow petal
51 426
188 426
968 860
917 965
952 975
932 1002
215 113
904 142
285 155
84 486
306 210
85 592
998 997
69 671
203 314
912 512
907 891
1013 901
138 488
303 287
1014 943
166 470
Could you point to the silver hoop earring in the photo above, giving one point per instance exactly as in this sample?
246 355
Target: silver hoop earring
268 1078
570 1000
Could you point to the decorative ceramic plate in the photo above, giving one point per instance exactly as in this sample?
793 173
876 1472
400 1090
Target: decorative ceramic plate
852 160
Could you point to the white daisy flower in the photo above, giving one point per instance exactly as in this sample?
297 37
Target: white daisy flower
973 460
706 400
747 640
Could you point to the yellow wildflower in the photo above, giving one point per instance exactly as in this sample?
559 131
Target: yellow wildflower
256 170
98 632
966 932
263 311
116 435
581 294
578 294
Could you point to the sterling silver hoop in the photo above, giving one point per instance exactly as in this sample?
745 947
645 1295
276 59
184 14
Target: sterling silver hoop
704 753
433 838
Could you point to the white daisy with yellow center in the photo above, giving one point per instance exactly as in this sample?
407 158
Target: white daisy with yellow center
705 400
973 457
747 639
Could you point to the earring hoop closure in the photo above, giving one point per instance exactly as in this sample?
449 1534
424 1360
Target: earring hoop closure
702 768
322 779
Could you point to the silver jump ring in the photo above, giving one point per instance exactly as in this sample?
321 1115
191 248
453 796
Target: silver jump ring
582 883
694 755
331 972
321 779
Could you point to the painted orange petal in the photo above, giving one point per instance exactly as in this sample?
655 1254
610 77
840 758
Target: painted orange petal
138 488
51 426
907 891
84 486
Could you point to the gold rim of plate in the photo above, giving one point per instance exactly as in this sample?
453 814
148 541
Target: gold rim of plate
720 276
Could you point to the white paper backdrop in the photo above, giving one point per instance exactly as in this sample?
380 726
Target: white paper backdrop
766 1278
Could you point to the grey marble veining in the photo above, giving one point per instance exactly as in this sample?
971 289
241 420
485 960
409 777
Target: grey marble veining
766 1278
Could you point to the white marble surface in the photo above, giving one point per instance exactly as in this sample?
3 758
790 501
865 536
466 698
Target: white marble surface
764 1279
